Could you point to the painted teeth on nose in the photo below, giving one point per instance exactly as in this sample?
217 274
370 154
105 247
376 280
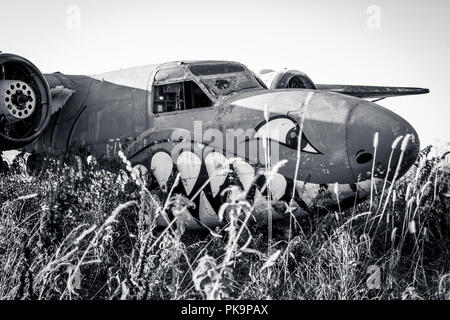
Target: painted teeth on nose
162 220
259 200
260 204
308 192
312 194
215 165
206 212
189 165
277 185
161 166
345 191
245 173
186 217
364 186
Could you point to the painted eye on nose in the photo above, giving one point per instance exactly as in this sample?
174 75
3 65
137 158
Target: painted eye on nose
285 131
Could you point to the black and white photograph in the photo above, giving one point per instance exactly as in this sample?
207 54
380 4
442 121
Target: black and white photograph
251 152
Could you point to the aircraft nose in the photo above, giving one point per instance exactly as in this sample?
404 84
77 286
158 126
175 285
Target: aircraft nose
364 121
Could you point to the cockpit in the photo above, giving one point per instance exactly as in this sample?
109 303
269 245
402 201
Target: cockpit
192 85
225 78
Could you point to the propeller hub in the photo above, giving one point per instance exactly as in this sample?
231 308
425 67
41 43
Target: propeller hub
17 100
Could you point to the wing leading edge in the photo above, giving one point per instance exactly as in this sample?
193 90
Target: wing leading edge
371 91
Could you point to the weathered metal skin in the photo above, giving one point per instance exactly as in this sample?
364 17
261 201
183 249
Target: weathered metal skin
237 121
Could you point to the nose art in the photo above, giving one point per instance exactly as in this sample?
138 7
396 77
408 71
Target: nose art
364 121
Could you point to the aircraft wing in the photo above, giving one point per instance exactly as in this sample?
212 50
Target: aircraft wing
371 91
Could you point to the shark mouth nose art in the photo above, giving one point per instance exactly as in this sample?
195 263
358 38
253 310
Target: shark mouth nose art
205 182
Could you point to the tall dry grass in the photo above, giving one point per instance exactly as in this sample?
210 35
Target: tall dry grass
88 231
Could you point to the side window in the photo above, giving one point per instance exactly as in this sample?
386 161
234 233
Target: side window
179 96
168 97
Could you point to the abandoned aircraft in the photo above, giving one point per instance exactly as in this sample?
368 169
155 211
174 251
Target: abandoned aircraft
322 134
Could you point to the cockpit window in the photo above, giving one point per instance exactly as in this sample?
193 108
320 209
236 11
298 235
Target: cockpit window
225 78
227 84
170 74
179 96
216 68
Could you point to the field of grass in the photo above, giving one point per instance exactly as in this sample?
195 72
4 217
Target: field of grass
79 231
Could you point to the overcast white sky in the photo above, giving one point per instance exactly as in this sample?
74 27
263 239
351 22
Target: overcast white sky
332 41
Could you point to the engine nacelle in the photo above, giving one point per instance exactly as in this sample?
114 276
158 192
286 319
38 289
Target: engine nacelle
286 79
25 102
